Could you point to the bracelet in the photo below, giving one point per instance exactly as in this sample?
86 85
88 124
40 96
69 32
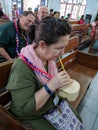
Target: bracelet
48 90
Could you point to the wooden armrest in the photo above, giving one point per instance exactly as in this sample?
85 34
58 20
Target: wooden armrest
9 122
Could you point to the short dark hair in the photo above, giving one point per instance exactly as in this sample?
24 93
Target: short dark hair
62 16
26 13
68 15
51 10
55 12
50 29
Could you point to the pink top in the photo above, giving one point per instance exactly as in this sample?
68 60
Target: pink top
81 21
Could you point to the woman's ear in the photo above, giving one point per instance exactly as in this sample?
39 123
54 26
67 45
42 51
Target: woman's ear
42 44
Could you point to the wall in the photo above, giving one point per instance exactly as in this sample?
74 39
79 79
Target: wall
7 7
30 3
54 4
92 8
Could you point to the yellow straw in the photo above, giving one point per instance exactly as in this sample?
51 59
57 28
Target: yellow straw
61 64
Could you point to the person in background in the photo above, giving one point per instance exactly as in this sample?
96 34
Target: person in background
36 12
55 15
34 77
13 15
38 6
5 17
1 14
51 12
16 11
1 8
81 21
29 9
62 18
13 35
68 17
93 48
58 14
42 13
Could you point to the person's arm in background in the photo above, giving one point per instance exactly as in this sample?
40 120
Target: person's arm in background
4 40
4 54
5 17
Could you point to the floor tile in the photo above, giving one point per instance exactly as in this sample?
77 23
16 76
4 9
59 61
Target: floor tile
95 80
96 124
94 85
92 93
91 105
82 103
88 118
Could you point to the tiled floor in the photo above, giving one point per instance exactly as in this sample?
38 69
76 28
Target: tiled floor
88 107
86 51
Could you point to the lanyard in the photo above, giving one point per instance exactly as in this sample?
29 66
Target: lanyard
35 68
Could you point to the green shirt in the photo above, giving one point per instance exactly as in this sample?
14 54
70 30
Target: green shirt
23 83
8 39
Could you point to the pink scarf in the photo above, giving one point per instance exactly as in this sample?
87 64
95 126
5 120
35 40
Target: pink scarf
30 54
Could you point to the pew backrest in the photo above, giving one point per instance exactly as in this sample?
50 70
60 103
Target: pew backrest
7 120
74 22
72 44
79 29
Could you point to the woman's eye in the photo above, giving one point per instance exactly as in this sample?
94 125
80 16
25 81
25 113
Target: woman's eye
59 48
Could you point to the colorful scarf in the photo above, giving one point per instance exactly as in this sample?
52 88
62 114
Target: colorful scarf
29 57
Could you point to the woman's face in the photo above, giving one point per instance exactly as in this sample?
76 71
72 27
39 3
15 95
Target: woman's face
54 51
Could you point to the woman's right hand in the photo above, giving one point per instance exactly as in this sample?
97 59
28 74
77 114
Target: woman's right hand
60 80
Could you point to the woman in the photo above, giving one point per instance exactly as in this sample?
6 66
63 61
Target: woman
81 21
93 48
34 77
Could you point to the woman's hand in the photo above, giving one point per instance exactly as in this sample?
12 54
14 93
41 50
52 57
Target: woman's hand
60 80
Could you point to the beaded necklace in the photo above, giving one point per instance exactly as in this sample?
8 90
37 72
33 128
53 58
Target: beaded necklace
17 37
33 67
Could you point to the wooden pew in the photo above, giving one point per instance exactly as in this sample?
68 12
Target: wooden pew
7 120
74 22
81 30
78 28
73 44
82 67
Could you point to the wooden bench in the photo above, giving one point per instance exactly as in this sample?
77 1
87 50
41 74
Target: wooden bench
74 22
7 120
78 29
73 44
81 30
82 67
